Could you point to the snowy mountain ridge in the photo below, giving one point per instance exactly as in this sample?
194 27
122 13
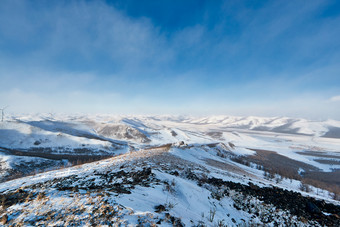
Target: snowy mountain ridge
276 124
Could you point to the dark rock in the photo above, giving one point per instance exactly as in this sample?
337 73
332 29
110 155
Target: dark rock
236 207
175 173
12 198
253 186
312 208
304 207
160 208
173 133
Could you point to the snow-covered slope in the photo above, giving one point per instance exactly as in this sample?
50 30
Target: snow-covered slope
105 135
162 186
170 170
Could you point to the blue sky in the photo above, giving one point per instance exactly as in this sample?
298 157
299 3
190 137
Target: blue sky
265 58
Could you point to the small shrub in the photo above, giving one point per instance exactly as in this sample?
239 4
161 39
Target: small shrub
41 195
241 160
220 223
171 205
170 187
268 175
305 187
212 213
278 179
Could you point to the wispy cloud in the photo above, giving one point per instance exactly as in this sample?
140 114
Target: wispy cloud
335 98
80 36
228 58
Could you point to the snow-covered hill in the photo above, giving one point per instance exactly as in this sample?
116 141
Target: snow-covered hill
169 170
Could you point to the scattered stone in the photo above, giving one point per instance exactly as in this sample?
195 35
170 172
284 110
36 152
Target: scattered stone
175 173
160 208
303 207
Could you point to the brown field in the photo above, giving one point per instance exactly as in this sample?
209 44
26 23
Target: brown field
278 164
319 154
328 161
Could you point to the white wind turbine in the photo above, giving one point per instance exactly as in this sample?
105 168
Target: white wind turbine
2 113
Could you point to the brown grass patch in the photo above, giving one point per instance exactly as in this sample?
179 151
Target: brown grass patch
328 161
278 164
319 154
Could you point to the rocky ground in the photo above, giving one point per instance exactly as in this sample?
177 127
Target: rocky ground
103 196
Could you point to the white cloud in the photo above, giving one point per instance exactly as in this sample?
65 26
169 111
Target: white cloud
119 57
86 30
75 101
335 98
